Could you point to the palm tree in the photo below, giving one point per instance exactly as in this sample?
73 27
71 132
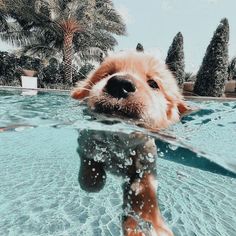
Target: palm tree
64 26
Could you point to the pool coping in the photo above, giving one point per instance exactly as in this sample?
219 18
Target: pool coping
38 89
187 97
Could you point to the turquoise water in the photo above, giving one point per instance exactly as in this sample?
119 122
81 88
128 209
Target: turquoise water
39 190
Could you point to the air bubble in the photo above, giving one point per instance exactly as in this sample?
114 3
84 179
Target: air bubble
173 147
161 154
128 162
133 153
150 157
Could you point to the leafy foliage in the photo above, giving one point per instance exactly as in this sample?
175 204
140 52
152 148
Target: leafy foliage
84 71
213 72
189 77
63 28
139 48
10 68
40 25
175 58
49 76
232 69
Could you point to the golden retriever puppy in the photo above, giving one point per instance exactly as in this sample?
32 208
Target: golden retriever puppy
138 87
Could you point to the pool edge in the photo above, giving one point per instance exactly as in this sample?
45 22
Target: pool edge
187 97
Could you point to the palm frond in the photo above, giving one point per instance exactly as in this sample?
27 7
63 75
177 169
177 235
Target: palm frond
40 26
108 19
100 39
39 50
15 35
90 54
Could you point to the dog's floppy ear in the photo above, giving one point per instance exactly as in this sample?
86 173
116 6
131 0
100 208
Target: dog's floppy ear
82 90
83 87
184 109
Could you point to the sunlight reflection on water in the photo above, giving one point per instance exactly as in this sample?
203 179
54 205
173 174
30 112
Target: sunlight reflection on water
39 191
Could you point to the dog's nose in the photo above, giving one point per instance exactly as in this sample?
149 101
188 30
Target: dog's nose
119 86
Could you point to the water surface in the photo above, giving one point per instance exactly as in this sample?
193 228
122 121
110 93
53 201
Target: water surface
40 194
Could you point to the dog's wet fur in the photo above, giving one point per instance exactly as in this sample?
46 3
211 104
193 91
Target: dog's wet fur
134 86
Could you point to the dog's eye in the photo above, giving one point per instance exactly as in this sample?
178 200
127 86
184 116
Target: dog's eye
153 84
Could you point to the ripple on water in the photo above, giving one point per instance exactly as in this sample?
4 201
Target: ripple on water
40 195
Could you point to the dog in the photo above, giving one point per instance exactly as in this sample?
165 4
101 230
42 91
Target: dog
138 87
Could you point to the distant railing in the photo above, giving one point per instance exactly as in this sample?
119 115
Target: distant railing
230 87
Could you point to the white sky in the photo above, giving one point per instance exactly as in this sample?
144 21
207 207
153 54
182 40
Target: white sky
154 23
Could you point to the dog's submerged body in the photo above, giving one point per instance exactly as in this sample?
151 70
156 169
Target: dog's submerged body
138 87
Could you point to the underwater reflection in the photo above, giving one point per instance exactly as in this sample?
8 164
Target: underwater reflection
132 156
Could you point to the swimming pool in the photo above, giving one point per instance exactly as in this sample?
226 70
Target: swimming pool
40 194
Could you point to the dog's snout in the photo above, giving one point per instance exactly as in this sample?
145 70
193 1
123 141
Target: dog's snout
119 86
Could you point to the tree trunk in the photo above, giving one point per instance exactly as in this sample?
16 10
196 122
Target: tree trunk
68 37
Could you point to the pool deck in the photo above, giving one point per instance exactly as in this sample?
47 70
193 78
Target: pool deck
187 96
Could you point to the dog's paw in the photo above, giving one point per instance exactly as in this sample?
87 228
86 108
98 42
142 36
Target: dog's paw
92 176
164 232
130 227
133 228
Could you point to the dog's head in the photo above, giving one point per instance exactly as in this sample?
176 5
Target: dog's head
133 85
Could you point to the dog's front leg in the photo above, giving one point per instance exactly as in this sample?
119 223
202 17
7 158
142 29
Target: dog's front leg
92 176
143 217
142 214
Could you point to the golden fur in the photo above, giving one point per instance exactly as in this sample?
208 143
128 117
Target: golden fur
153 101
157 108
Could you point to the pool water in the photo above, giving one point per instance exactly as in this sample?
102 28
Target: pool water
39 190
